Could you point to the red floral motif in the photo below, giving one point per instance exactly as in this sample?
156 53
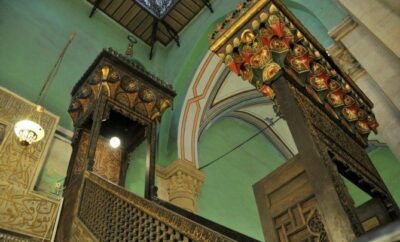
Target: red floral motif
247 53
267 91
232 65
299 58
362 123
319 78
276 25
288 36
270 71
336 95
372 123
350 112
266 36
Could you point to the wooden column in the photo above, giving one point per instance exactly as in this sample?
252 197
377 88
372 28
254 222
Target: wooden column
337 223
150 161
83 157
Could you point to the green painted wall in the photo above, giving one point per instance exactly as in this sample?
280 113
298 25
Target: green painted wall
388 167
358 195
32 34
328 12
186 60
226 196
135 176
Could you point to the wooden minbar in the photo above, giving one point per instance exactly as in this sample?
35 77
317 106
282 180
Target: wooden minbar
329 117
116 97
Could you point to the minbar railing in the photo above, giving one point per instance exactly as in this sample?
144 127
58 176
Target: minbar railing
108 212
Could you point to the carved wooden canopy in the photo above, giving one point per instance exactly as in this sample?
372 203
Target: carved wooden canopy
261 40
124 81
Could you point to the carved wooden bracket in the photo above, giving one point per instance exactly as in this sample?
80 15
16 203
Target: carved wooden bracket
124 81
261 40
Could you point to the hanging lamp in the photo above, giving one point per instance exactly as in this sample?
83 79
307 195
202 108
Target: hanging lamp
28 131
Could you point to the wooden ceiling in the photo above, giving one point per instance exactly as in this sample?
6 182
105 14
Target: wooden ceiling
140 22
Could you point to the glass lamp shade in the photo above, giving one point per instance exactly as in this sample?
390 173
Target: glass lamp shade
115 142
28 132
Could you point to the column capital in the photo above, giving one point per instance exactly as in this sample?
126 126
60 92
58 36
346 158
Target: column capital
182 182
342 29
346 61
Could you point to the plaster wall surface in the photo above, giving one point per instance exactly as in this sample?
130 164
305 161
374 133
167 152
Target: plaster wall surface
55 167
386 112
387 165
226 196
377 60
136 173
380 18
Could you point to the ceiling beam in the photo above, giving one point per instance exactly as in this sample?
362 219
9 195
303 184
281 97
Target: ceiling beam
95 7
172 33
153 36
208 5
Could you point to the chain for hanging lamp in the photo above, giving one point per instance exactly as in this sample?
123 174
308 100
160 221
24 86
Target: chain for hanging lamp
29 131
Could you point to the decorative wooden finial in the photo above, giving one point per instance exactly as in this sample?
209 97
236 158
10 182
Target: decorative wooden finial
132 41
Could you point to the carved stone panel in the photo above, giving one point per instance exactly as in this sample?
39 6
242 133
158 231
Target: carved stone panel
21 209
181 183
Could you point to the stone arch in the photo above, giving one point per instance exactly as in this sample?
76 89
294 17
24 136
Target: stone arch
196 116
197 95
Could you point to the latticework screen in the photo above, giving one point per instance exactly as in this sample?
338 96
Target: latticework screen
111 213
111 218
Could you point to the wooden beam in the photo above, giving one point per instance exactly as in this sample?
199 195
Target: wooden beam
150 188
208 5
319 175
153 36
95 7
172 33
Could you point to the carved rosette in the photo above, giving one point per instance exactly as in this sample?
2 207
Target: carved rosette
261 40
316 227
123 81
181 184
